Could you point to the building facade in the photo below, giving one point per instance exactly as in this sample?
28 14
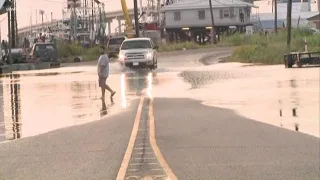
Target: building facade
193 18
314 21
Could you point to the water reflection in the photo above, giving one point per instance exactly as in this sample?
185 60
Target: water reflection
294 102
10 127
32 105
2 126
135 83
103 111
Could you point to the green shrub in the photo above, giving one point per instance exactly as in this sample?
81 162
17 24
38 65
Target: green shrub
269 49
68 52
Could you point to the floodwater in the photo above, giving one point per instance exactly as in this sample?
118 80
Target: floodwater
287 98
38 102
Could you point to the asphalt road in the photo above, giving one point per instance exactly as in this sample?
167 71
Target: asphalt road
201 142
193 141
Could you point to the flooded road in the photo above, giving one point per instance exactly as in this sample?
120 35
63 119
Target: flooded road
271 94
36 102
34 105
184 119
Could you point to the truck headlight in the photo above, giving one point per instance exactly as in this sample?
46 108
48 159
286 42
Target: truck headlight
122 57
148 56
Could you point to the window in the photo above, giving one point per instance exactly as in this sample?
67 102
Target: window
177 16
232 14
116 41
136 44
226 13
202 14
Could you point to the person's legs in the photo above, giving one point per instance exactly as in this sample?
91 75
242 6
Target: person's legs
110 90
103 92
102 85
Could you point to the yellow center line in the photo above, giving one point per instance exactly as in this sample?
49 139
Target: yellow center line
155 147
127 156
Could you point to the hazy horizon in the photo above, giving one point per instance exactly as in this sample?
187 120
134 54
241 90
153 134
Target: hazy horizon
26 8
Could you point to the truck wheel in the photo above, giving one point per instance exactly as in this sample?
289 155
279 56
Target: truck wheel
299 64
289 64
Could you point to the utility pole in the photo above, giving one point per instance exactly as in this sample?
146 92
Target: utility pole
213 30
92 23
13 29
85 14
36 16
9 39
289 10
100 22
74 29
276 16
16 24
41 13
136 18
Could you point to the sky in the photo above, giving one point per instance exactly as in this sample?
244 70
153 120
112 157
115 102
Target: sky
26 8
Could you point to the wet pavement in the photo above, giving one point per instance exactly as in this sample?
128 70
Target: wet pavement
39 101
270 94
79 136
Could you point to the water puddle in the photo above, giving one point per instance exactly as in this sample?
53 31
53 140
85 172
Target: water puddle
34 104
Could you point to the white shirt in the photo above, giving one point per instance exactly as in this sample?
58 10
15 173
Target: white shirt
103 61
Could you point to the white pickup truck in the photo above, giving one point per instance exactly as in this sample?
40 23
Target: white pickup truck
138 52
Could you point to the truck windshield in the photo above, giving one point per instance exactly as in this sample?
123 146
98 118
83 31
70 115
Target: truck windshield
116 41
136 44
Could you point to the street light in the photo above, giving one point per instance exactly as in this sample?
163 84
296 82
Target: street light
213 30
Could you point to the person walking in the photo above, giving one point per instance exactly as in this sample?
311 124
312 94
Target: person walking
103 73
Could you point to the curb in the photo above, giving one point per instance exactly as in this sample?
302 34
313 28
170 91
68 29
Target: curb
217 55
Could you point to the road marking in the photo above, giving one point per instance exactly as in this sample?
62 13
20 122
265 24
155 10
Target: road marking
140 153
144 158
139 164
140 148
133 170
152 137
127 155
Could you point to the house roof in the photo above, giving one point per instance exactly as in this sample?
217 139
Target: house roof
283 15
2 9
315 17
196 4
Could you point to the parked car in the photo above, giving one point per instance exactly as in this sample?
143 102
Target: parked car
138 52
113 45
45 52
18 55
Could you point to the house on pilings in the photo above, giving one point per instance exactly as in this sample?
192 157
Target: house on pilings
190 20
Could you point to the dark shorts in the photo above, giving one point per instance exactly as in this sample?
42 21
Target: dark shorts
102 82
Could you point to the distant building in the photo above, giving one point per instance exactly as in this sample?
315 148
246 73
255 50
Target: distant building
301 11
314 21
192 18
297 6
